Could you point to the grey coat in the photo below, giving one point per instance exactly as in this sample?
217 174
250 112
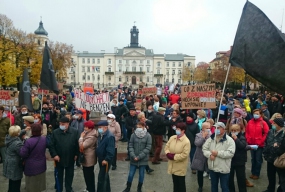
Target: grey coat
12 167
140 147
199 160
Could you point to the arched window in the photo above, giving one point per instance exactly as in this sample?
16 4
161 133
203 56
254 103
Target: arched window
120 79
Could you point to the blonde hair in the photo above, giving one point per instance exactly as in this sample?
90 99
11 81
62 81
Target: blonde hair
141 115
274 116
237 126
14 131
211 121
202 113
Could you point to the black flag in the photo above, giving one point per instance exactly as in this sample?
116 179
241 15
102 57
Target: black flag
259 48
48 81
25 92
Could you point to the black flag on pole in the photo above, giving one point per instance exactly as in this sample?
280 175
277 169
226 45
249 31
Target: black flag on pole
25 91
259 48
48 81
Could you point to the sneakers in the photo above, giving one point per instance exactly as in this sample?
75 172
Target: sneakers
149 171
205 174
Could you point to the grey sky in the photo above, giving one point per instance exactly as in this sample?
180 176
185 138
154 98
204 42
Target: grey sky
194 27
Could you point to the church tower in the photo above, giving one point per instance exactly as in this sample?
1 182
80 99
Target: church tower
134 37
41 35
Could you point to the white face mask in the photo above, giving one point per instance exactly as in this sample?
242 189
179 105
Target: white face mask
139 129
109 121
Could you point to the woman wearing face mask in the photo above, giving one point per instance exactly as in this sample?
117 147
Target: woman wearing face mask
199 162
256 132
236 119
238 160
273 141
87 145
114 127
38 120
177 150
139 147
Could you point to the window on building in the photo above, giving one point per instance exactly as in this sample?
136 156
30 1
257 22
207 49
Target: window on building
141 61
71 69
120 69
83 77
147 79
189 64
141 69
173 64
93 61
109 78
83 69
179 81
141 78
179 72
72 77
120 61
127 68
88 77
167 80
109 69
158 71
147 69
98 61
158 80
93 77
127 78
172 80
120 79
127 61
109 61
72 60
98 77
93 69
167 72
88 69
98 69
88 60
148 62
39 42
83 60
133 69
173 72
179 64
167 64
158 64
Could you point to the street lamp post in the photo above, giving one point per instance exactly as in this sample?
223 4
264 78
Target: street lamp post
209 70
98 79
74 79
192 72
85 77
245 82
103 81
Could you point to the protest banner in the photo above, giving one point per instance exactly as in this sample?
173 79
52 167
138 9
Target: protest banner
98 103
149 91
9 98
138 102
88 85
201 96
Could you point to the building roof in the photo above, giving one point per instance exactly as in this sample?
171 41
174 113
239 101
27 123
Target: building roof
90 54
41 30
175 57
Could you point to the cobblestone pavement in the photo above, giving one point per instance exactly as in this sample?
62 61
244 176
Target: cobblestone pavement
158 181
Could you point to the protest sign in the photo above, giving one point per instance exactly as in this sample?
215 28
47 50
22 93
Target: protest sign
149 91
88 85
9 98
201 96
100 102
138 102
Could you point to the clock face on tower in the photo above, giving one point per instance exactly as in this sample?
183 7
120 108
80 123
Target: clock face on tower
134 35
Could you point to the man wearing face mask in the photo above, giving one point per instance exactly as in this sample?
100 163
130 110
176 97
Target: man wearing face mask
121 114
131 123
4 127
19 118
149 114
46 115
105 153
64 149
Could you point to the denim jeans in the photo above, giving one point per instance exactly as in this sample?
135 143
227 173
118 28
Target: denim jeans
256 161
132 172
224 181
124 130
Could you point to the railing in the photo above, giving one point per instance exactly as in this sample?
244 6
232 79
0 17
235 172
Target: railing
134 72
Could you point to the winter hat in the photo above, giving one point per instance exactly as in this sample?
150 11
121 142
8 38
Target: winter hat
238 110
279 122
89 124
190 114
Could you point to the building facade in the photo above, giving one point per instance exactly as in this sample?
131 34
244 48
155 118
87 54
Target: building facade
130 65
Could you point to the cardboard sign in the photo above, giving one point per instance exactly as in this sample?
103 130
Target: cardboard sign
149 91
9 98
201 96
88 85
138 102
98 103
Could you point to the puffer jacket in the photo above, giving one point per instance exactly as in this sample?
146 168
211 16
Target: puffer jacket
256 132
115 129
240 156
199 160
89 142
181 148
269 151
226 149
12 167
4 127
140 147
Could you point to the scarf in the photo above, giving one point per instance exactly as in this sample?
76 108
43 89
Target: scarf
189 122
236 120
200 122
140 134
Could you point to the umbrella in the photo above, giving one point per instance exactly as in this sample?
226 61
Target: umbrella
106 178
57 185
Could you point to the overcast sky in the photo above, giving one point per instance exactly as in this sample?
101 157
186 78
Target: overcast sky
195 27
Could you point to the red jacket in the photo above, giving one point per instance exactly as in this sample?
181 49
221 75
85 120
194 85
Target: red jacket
174 98
11 117
256 132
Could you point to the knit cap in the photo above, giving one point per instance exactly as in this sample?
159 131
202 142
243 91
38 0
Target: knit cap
279 122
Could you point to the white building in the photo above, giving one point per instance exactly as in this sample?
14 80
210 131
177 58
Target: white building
130 65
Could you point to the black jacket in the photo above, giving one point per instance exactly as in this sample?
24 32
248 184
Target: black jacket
106 147
269 151
191 131
122 110
65 145
240 156
131 122
159 124
149 116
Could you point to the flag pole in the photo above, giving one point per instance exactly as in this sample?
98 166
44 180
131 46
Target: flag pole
42 102
224 87
10 117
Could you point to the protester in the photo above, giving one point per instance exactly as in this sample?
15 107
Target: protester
201 118
139 147
19 118
236 118
115 129
38 120
177 150
219 149
13 167
64 150
199 162
131 122
149 114
4 127
33 153
87 145
28 121
105 153
175 118
256 132
280 151
9 115
121 114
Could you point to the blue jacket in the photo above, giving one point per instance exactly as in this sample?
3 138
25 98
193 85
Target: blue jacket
106 147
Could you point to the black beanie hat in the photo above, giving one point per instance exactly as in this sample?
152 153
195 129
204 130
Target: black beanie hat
279 122
190 114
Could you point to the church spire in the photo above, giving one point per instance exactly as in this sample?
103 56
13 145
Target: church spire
134 36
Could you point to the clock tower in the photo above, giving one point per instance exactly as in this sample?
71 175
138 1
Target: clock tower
134 37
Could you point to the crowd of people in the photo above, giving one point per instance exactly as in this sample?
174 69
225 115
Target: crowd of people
219 150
